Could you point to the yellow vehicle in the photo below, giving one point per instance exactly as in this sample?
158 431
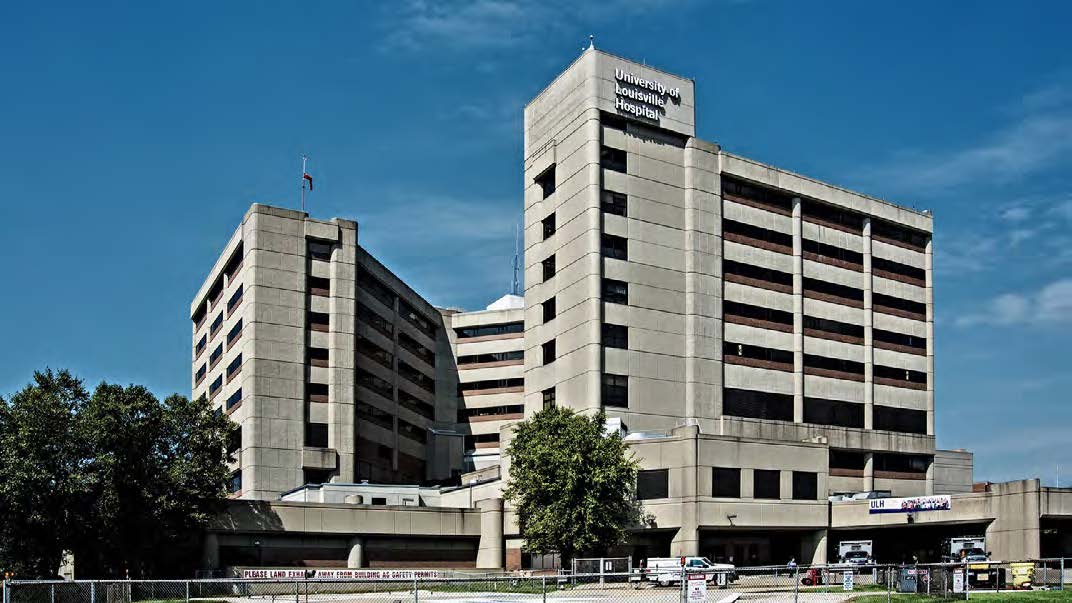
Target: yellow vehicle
1022 575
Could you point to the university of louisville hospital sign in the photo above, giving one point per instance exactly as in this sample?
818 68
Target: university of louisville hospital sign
642 97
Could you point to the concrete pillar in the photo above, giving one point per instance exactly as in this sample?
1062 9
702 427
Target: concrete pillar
489 554
869 342
703 282
813 548
930 478
687 540
798 311
356 558
210 551
929 267
869 471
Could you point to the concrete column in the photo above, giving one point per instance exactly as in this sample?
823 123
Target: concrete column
930 478
869 342
210 551
813 548
356 558
489 553
929 267
687 540
798 311
869 472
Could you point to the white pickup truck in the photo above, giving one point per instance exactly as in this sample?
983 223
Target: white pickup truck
667 570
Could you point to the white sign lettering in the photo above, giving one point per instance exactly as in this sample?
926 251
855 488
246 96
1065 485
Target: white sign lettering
697 589
338 574
911 505
642 97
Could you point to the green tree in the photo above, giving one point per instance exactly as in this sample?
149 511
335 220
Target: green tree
41 462
573 486
120 478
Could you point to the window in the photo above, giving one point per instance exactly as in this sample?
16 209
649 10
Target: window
319 286
887 304
889 375
766 483
234 441
757 316
821 252
843 331
750 274
905 343
752 194
818 411
615 336
317 476
847 461
416 348
903 420
236 298
487 357
417 319
200 374
367 348
548 225
835 365
494 411
549 310
549 352
319 321
235 485
614 203
613 159
833 216
411 374
234 262
615 292
652 484
725 482
476 386
490 330
549 267
371 414
198 317
235 331
897 235
316 435
757 405
482 440
216 324
415 404
318 356
898 272
411 431
375 287
200 347
833 292
234 366
320 251
615 247
549 397
214 388
901 464
805 485
316 392
615 390
756 236
765 357
233 399
369 316
374 383
379 500
546 182
214 357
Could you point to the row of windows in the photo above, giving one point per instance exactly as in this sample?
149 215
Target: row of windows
376 416
411 431
881 461
374 319
492 411
424 324
781 317
817 411
216 290
417 349
320 251
234 366
370 349
832 252
416 377
319 356
374 383
474 386
236 298
757 233
316 392
415 404
490 330
910 272
726 483
319 285
484 438
776 200
840 365
375 287
491 357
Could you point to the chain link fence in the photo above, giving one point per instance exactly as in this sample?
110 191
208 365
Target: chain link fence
591 582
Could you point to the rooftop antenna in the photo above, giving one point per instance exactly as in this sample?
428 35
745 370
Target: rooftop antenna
305 179
513 288
591 41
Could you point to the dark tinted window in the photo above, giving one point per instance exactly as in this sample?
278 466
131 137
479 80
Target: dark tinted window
911 272
903 420
906 236
755 232
758 273
615 292
910 341
316 435
549 352
548 267
832 252
730 348
615 336
889 372
833 215
549 310
833 364
614 203
819 411
834 289
491 357
766 483
548 397
653 483
805 485
487 330
473 386
757 405
774 199
615 247
548 225
730 308
725 483
845 459
888 301
832 326
546 181
615 390
613 159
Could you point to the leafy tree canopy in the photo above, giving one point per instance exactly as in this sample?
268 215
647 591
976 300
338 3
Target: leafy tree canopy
120 478
573 486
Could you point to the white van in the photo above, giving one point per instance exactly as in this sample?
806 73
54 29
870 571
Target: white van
667 570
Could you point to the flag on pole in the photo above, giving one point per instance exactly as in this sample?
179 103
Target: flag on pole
306 176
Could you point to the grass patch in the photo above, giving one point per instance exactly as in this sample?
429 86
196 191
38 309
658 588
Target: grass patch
1026 596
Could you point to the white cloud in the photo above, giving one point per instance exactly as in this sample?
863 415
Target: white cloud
1052 304
1016 213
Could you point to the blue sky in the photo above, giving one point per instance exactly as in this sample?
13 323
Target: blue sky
134 136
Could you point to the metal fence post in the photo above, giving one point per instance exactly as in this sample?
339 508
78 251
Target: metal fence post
92 592
416 594
889 584
187 592
543 588
52 594
297 592
796 583
1062 573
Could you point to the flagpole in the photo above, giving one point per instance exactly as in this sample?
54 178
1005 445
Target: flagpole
303 172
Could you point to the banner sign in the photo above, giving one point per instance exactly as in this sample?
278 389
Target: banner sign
338 574
911 505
